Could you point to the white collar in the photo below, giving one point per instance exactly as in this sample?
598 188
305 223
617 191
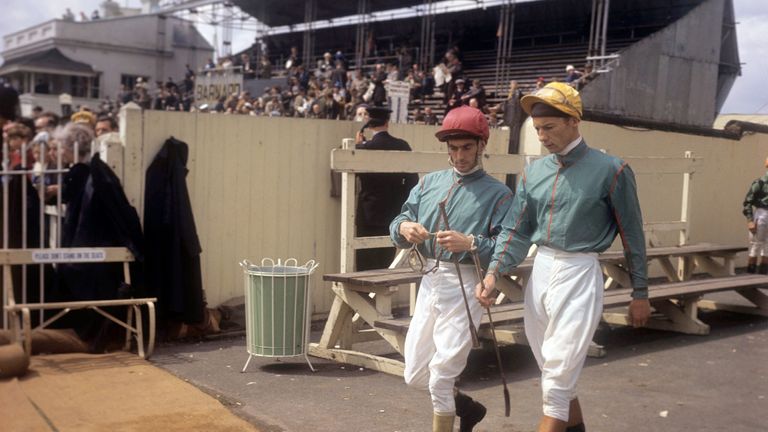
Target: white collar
475 169
570 146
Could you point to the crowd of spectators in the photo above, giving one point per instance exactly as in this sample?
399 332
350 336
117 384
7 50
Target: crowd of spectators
326 89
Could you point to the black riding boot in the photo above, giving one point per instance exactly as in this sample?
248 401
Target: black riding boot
752 265
469 411
576 428
763 268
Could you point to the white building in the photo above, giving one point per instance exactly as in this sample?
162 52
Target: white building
90 60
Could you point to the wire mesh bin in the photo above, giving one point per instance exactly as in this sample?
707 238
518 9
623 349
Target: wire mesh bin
277 308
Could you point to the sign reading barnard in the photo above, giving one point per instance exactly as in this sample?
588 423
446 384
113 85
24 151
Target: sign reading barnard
212 85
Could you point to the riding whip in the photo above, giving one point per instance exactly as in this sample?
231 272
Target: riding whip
472 329
478 267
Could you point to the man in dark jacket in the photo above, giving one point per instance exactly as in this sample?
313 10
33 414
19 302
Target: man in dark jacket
381 195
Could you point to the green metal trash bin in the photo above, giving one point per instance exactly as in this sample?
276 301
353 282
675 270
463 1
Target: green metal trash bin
276 308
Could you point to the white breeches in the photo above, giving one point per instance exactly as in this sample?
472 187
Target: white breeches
563 305
757 241
438 341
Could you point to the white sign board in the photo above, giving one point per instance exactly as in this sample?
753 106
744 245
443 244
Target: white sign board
68 255
212 85
398 93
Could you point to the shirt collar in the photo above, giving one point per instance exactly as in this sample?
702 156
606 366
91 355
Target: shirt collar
570 146
474 173
572 154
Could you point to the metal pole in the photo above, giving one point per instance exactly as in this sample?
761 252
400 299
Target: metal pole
604 41
590 47
598 24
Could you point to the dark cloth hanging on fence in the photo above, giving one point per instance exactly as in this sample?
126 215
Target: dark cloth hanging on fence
173 248
98 214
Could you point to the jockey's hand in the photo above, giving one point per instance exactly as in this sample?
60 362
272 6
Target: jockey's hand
485 296
752 227
414 232
454 241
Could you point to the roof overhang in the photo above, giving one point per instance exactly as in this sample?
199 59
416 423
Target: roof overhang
50 61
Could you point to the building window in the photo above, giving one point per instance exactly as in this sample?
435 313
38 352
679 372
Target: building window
129 81
95 87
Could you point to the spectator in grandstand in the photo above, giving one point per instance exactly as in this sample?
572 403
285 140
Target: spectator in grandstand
393 72
755 209
514 93
325 66
456 99
106 106
339 75
378 78
84 117
564 295
415 84
46 122
68 15
404 58
265 68
105 124
571 74
72 143
453 70
359 82
417 116
317 111
477 92
249 69
293 58
429 117
540 82
339 57
226 62
493 116
125 95
18 137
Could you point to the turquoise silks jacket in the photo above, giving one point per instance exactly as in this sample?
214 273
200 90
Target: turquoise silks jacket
757 196
476 204
575 203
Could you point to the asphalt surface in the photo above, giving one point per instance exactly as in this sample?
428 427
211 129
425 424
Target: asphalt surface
648 381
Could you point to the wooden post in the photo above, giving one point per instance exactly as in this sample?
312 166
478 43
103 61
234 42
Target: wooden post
132 136
683 267
348 180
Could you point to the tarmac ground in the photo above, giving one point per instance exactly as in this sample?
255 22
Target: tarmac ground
648 381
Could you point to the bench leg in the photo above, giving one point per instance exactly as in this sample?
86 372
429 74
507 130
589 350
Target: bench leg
27 326
683 317
139 332
339 320
151 323
128 332
754 295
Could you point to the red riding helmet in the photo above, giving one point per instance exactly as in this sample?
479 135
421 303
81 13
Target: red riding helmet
462 122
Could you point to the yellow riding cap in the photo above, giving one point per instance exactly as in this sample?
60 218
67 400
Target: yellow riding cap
560 96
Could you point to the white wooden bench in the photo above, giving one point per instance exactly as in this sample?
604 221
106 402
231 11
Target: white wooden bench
19 314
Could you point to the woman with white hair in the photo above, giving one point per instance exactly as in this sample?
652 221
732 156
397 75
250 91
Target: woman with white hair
72 144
